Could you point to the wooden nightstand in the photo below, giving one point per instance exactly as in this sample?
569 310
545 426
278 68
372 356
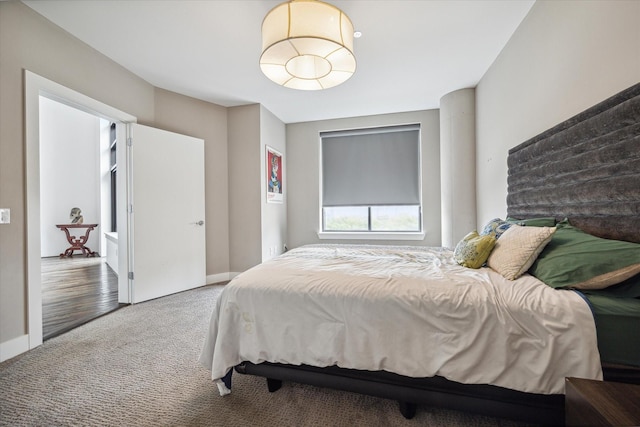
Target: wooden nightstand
601 403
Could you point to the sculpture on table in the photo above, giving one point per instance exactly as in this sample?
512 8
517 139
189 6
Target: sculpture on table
76 216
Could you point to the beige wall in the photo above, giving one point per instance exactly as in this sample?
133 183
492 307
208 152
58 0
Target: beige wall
28 41
188 116
458 165
565 57
254 225
245 240
303 174
274 215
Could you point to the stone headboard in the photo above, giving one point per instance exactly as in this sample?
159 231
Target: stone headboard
586 168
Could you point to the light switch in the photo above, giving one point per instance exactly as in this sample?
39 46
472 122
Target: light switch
5 216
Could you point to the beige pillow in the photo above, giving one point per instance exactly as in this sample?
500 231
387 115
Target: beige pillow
517 249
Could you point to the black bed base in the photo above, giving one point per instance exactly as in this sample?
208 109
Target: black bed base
621 373
409 392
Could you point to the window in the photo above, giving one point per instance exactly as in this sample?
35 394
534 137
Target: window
371 180
113 170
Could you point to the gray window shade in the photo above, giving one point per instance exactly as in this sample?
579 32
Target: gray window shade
371 167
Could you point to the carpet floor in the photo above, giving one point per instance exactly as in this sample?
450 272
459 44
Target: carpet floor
138 367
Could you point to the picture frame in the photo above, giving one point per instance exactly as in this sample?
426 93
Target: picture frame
274 173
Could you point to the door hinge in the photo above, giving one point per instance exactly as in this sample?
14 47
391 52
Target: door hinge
130 208
129 142
130 275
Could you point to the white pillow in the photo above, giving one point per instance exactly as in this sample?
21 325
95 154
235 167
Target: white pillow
518 248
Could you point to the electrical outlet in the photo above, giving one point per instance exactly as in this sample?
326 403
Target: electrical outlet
5 216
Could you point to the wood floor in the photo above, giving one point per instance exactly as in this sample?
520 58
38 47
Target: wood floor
75 291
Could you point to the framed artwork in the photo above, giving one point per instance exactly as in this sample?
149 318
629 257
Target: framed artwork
275 190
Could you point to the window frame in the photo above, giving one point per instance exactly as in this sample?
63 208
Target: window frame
370 234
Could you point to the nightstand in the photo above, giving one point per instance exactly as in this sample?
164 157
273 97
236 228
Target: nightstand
601 403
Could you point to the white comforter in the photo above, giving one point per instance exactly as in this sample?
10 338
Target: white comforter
408 310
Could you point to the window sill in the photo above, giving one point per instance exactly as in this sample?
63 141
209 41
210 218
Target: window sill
368 235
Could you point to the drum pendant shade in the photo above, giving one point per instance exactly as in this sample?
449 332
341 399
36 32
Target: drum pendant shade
307 45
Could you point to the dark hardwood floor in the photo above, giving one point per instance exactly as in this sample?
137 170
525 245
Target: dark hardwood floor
75 291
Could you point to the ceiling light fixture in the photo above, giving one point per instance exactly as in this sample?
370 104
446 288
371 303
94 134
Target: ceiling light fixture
307 45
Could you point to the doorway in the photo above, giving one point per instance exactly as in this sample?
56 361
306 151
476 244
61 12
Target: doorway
77 167
146 182
35 87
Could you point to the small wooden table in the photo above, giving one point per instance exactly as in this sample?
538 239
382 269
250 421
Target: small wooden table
601 403
77 244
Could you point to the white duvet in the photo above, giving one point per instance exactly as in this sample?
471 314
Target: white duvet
409 310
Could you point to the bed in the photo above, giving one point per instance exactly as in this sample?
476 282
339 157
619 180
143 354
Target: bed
420 326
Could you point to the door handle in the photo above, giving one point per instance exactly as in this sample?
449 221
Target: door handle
201 222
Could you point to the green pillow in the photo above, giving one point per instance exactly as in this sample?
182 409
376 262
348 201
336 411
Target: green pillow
473 250
534 222
579 260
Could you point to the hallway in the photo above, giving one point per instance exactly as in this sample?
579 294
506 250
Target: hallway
75 291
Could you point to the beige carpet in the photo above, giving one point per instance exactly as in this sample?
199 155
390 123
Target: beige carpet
138 367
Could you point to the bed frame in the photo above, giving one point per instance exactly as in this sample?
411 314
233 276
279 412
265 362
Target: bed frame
586 169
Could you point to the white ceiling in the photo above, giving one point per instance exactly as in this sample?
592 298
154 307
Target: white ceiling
411 53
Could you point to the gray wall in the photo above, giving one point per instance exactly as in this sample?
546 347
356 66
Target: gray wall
565 57
303 162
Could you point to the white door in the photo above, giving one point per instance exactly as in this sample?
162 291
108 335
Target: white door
166 219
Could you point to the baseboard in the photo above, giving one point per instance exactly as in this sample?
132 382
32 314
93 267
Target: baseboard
217 278
221 277
14 347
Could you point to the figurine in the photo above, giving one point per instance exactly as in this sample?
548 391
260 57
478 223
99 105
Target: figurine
76 216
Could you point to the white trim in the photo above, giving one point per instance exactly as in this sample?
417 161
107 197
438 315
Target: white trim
220 277
370 130
70 97
14 347
233 274
369 235
35 86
